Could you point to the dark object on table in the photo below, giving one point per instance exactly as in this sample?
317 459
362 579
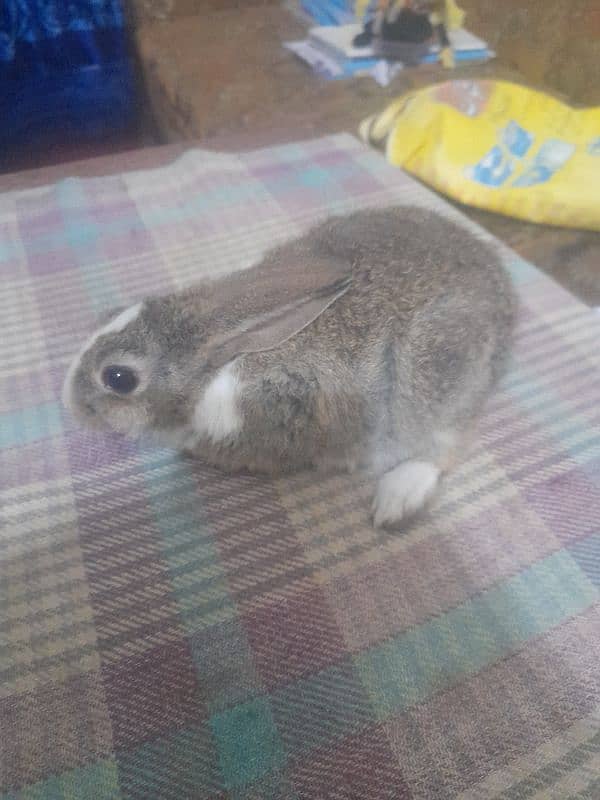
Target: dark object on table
403 29
403 36
407 26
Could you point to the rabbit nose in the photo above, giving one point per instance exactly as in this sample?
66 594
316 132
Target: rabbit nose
89 408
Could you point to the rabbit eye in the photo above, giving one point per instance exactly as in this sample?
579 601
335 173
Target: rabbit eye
122 380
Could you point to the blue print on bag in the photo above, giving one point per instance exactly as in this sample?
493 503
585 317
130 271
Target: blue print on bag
498 165
517 139
551 156
593 147
494 169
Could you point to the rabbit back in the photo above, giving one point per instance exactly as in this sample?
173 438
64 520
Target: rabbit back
397 367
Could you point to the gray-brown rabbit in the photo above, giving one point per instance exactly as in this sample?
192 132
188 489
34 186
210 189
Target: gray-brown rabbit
372 341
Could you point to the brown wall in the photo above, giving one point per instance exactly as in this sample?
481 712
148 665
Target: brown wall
145 10
553 43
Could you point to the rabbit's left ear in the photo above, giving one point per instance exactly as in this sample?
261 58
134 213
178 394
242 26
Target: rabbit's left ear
267 327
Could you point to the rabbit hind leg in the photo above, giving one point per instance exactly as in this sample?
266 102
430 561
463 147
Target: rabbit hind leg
405 490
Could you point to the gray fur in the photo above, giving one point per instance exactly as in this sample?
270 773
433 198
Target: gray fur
413 330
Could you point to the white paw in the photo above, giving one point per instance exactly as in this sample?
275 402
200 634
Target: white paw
404 491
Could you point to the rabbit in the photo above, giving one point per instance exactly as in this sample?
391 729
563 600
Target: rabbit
371 342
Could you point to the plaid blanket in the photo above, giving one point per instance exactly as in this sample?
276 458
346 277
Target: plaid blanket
170 632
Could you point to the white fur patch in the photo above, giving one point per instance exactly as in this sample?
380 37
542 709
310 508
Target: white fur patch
403 491
216 415
120 322
117 324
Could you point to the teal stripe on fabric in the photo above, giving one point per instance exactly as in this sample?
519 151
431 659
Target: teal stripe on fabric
198 579
315 176
30 424
412 666
84 236
104 295
178 764
81 232
544 413
521 271
306 722
586 553
99 780
248 742
536 394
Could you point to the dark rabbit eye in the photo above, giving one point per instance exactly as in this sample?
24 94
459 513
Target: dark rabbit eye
122 380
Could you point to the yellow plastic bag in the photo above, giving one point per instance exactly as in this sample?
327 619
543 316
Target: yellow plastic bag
499 146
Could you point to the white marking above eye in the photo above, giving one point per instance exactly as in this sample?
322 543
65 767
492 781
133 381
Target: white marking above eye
121 321
117 324
216 414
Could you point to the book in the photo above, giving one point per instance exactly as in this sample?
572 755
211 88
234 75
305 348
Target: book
329 12
327 64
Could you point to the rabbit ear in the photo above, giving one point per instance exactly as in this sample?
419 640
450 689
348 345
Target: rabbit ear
283 312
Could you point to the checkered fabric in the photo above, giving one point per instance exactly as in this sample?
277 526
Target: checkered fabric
169 632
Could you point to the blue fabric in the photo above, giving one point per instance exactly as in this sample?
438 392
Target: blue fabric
83 105
65 71
34 21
